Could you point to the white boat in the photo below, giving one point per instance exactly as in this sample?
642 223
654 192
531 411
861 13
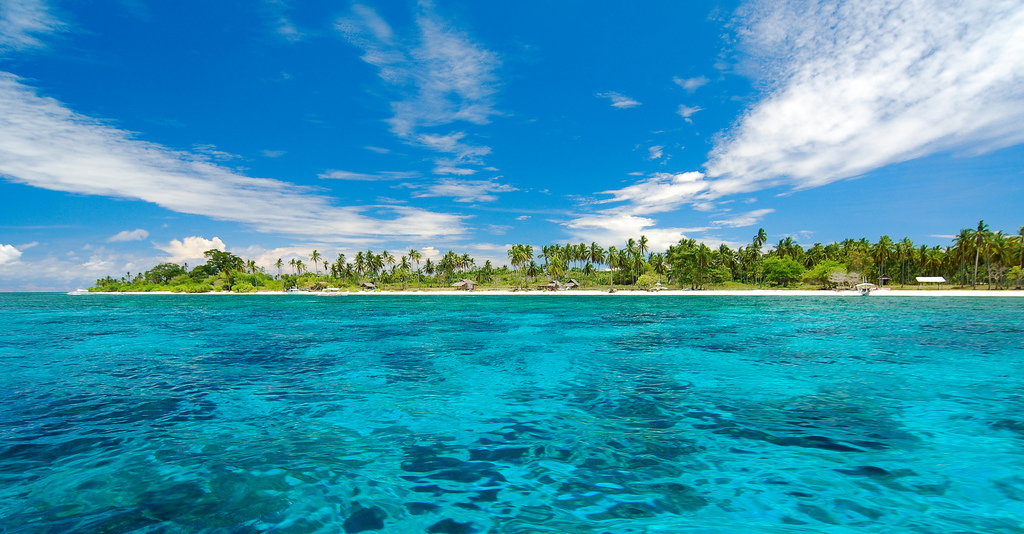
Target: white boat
866 289
79 292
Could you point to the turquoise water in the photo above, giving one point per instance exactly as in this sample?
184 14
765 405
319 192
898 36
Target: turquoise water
446 414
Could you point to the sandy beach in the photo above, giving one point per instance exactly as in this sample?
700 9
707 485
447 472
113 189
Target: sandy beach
631 293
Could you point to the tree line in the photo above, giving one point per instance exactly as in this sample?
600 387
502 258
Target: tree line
975 256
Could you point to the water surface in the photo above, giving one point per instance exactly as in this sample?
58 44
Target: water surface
238 414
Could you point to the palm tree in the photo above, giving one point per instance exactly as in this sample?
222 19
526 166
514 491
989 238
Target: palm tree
415 256
613 262
882 253
278 264
980 237
1020 241
315 258
759 240
630 252
292 263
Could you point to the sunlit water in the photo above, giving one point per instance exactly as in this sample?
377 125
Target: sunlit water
449 414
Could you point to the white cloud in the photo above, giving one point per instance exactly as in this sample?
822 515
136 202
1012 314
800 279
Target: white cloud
377 149
452 144
430 253
859 85
747 219
686 111
129 235
636 174
44 144
619 101
523 218
466 190
22 22
273 153
659 193
361 177
690 84
9 254
190 248
458 171
655 152
498 229
210 152
614 229
442 75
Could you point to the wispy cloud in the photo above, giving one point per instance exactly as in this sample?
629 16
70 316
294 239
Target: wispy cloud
23 22
855 86
374 177
276 13
9 254
619 101
747 219
441 75
273 153
655 152
377 149
686 112
465 190
658 193
128 235
44 144
690 84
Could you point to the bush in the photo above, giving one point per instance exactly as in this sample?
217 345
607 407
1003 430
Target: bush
826 274
782 270
647 281
192 288
243 287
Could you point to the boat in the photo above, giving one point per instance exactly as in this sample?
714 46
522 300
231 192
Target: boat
866 288
79 292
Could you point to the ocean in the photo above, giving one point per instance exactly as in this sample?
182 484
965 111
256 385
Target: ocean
456 414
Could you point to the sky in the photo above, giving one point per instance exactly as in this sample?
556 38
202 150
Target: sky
135 132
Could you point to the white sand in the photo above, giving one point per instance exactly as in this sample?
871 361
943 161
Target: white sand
630 293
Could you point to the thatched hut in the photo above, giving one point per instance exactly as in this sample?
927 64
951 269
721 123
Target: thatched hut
465 284
368 286
573 284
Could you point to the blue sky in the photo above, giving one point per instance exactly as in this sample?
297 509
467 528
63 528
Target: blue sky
136 132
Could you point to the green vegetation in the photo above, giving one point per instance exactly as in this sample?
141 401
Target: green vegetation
976 257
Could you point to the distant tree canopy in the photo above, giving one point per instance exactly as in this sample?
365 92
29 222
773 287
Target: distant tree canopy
163 273
782 270
220 261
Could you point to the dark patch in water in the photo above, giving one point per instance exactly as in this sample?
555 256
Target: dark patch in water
364 519
451 526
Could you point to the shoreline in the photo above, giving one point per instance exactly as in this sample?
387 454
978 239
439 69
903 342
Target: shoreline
1012 293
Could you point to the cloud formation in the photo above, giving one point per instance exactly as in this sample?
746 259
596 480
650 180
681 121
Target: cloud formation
190 248
466 190
22 22
691 84
362 177
441 75
44 144
619 101
128 235
854 86
746 219
9 254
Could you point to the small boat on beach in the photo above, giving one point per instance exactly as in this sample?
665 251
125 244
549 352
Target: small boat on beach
866 289
79 292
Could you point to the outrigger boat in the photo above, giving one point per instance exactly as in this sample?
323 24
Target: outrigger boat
866 289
